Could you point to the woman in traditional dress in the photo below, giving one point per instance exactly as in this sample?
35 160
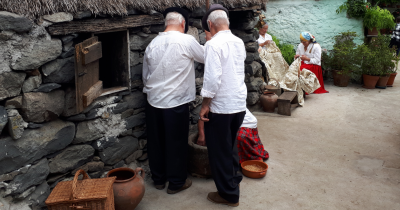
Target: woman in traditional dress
309 52
264 38
249 143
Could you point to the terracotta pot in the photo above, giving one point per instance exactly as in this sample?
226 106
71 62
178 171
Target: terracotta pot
253 174
340 80
128 187
382 82
373 32
391 79
269 101
370 81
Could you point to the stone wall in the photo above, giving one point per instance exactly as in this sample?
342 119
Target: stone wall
43 140
288 18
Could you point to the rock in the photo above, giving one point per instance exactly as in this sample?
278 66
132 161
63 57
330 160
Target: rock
38 197
252 68
68 38
142 34
142 144
77 118
244 23
68 53
102 101
127 113
25 194
37 54
248 78
254 85
119 164
90 167
14 103
95 129
10 176
16 125
60 71
35 72
4 118
105 112
196 23
46 88
136 72
41 107
35 144
71 158
199 11
96 175
140 43
31 83
126 133
59 17
252 98
157 28
105 142
243 35
202 38
134 58
11 84
120 151
68 46
134 156
135 120
6 35
70 104
36 175
135 100
82 14
137 111
193 32
34 125
143 157
139 134
96 158
14 22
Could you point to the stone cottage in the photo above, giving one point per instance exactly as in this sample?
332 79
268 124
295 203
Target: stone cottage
71 91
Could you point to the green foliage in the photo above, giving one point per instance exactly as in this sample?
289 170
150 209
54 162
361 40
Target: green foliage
287 50
344 55
354 8
379 18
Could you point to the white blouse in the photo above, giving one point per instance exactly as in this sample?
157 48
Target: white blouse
261 39
249 120
314 55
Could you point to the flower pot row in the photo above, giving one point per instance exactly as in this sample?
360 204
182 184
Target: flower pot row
370 82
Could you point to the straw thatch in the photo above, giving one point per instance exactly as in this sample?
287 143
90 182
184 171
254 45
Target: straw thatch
36 8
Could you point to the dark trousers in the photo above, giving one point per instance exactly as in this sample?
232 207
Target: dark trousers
221 141
167 144
393 42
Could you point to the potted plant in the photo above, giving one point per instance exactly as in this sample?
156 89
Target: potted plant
393 74
326 63
354 8
344 58
387 55
376 18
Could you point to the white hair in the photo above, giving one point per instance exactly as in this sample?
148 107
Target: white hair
174 18
266 24
218 17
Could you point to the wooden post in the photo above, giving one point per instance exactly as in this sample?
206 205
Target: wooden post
208 5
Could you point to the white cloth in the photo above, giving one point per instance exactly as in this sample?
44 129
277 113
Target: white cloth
168 69
249 120
315 55
224 73
261 40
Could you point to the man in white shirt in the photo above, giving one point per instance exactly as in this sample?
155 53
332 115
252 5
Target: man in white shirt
264 38
224 104
169 82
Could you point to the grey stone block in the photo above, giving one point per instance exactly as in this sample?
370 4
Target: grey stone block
82 14
252 98
246 37
252 46
136 72
135 120
31 83
4 118
104 142
14 103
16 125
118 152
199 11
135 100
254 86
71 158
11 84
140 43
59 17
46 88
157 28
134 156
70 104
14 22
252 68
134 58
60 71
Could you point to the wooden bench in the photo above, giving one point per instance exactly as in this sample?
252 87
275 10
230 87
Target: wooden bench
284 102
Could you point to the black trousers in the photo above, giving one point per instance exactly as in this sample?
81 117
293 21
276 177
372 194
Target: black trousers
167 144
221 141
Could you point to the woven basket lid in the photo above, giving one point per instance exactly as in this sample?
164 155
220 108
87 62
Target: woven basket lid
87 189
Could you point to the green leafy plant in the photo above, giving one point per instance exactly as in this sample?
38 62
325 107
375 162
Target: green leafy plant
354 8
287 50
379 18
326 60
344 56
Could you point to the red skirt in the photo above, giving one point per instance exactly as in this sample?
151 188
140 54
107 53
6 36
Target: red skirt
317 70
249 145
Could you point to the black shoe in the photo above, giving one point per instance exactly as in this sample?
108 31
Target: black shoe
187 184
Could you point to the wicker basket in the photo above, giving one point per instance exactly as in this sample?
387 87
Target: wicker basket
90 194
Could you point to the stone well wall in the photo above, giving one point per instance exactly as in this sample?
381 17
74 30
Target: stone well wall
43 140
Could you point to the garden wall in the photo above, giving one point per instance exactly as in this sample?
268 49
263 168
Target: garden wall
288 18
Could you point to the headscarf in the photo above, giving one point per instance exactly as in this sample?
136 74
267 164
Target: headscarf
307 36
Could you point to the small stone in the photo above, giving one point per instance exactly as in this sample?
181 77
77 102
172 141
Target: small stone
53 178
108 168
126 133
14 22
68 46
10 176
252 98
70 158
96 158
68 38
25 194
47 88
38 197
134 12
82 14
100 102
16 125
77 118
104 142
142 144
136 72
137 111
135 120
14 103
119 164
31 83
3 118
68 53
11 84
139 134
142 34
252 46
254 85
134 156
34 125
140 43
120 151
96 175
70 104
127 113
134 58
46 23
157 28
59 71
154 13
6 35
252 68
59 17
243 35
135 100
90 167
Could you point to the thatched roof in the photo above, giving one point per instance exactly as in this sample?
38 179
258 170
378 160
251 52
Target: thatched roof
36 8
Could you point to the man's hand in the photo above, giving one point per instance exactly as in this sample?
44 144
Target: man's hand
296 56
201 140
205 109
304 58
208 35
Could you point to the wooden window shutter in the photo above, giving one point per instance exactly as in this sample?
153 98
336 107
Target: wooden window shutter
87 83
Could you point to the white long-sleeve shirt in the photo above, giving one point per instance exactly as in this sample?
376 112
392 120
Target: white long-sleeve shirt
168 69
249 120
262 39
224 73
315 55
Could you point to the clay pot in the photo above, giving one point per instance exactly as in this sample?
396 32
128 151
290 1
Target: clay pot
128 187
253 174
340 80
269 101
373 32
391 79
382 82
370 81
198 163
